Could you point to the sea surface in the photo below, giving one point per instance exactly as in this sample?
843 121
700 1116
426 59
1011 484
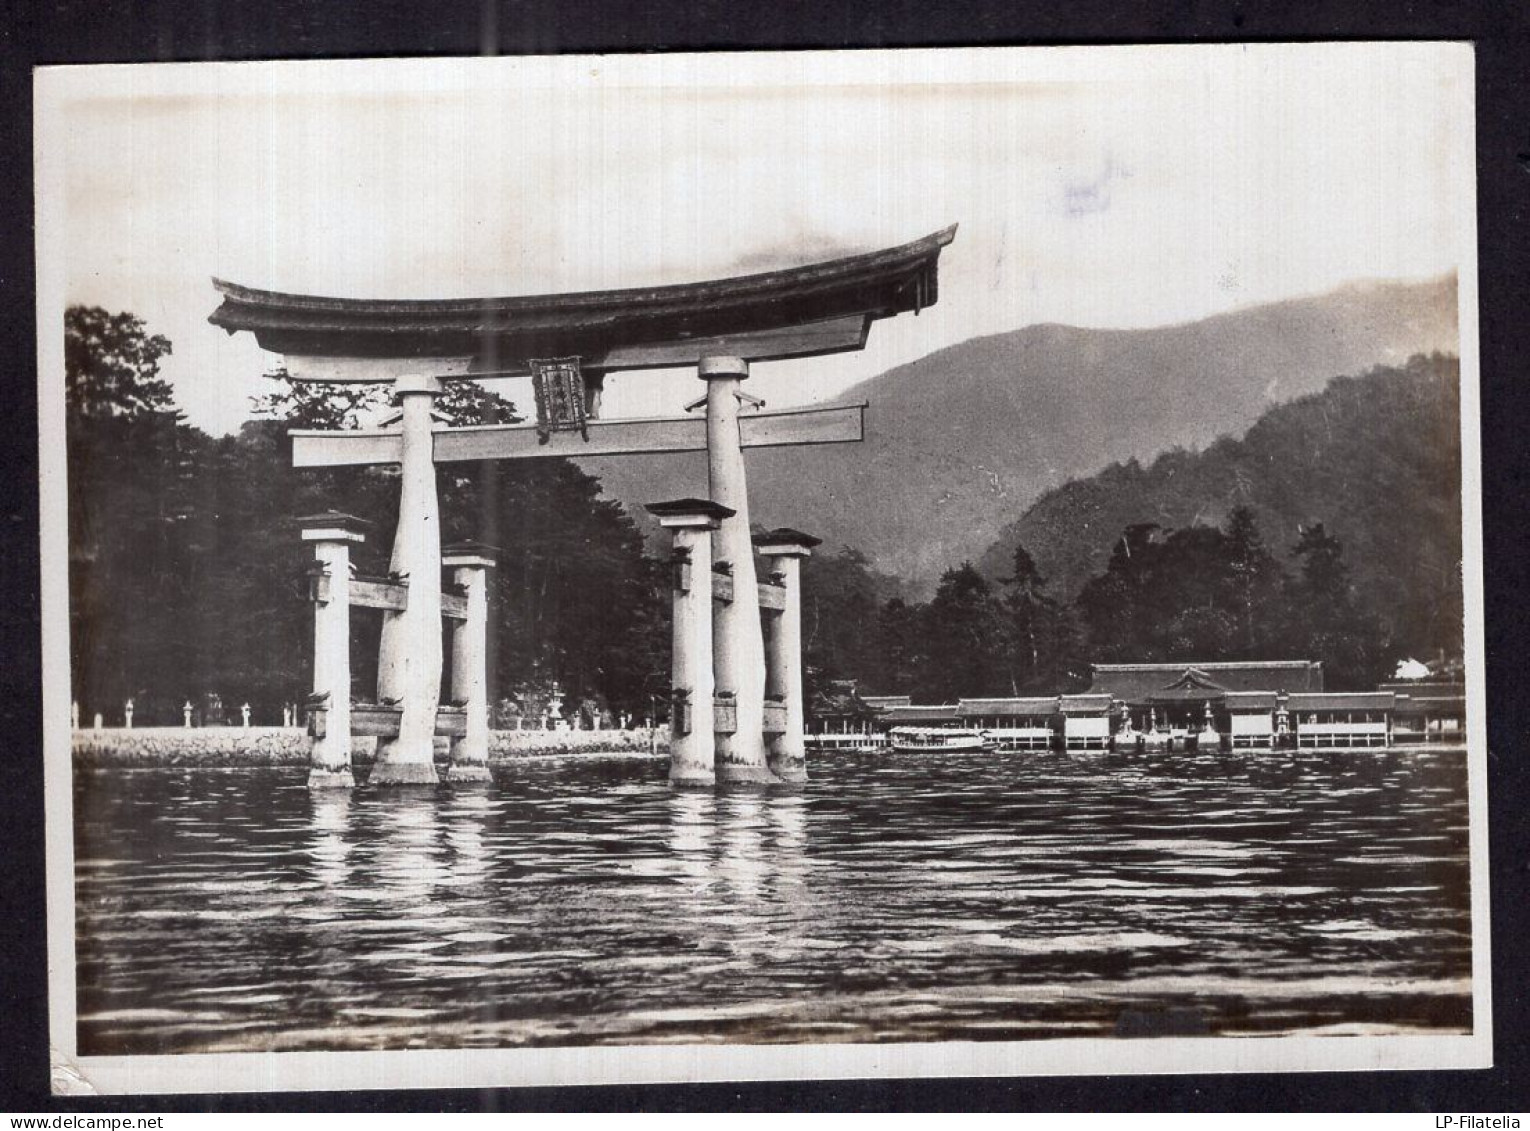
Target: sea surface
894 898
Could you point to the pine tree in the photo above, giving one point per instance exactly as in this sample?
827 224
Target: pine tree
1326 620
964 631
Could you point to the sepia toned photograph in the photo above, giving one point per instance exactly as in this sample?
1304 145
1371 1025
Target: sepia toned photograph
773 566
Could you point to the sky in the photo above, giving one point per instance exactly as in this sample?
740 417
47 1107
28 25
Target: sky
1109 187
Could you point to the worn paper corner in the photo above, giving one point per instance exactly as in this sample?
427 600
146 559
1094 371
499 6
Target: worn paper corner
66 1077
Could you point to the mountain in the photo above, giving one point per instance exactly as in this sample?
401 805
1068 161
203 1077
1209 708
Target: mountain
962 441
1376 459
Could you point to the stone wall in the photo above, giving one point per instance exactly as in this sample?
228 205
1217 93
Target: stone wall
288 746
191 746
507 744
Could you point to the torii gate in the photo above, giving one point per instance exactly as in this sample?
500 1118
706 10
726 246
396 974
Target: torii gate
720 327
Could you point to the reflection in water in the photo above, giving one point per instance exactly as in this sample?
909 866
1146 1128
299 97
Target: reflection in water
974 898
328 849
467 812
692 823
787 817
742 865
408 857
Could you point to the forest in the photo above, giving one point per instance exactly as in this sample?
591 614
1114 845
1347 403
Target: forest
1330 531
1200 593
186 570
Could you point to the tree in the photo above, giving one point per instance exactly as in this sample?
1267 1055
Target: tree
1038 631
332 405
1114 606
1325 576
1257 583
964 634
1025 579
133 506
111 365
841 597
185 568
1376 456
326 406
1327 622
1197 593
899 657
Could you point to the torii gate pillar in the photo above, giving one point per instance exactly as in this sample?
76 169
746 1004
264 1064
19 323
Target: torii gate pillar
809 311
692 732
332 534
409 658
470 563
784 550
738 648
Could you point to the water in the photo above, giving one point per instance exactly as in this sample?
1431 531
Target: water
896 898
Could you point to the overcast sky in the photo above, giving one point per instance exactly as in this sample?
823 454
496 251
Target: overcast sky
1101 187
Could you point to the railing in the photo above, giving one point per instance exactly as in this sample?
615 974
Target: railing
1021 738
831 741
1341 734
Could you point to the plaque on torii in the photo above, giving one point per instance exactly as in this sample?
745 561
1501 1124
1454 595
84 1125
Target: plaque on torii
719 327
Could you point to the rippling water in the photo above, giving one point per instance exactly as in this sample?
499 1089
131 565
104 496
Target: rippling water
895 898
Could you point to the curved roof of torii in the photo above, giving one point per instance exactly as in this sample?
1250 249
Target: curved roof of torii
818 308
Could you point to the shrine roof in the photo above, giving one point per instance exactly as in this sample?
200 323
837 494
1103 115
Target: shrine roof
1251 701
831 303
1138 683
1342 701
1412 704
903 715
1086 704
1420 688
1022 707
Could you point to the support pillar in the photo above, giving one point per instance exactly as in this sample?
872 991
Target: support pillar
783 551
409 659
470 563
738 647
692 736
332 535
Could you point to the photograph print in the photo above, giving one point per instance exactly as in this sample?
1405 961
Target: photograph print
739 567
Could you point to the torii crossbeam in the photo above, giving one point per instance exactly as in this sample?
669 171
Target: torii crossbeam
828 424
720 327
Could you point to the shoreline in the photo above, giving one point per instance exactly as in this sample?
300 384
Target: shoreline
227 747
235 747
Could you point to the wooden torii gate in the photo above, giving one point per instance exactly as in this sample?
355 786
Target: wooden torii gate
719 327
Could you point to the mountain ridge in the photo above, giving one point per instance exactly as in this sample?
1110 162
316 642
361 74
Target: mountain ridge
1375 458
961 441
